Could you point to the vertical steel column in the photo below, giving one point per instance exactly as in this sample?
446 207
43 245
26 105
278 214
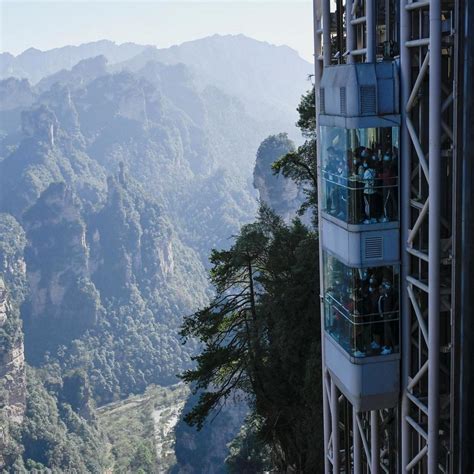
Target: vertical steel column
459 336
350 33
326 32
434 224
336 466
339 29
405 187
357 444
374 443
464 435
326 421
318 71
464 408
370 30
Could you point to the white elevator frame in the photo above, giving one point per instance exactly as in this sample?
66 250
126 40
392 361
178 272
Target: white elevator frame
428 68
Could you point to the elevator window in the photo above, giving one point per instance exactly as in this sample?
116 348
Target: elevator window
359 171
361 307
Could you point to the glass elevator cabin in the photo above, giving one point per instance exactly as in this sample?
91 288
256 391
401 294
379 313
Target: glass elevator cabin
359 204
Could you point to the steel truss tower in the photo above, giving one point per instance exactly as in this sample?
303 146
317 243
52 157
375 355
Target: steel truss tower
427 41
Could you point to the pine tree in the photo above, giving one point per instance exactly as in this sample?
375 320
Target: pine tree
261 333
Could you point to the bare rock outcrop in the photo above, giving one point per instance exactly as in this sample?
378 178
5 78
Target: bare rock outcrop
12 374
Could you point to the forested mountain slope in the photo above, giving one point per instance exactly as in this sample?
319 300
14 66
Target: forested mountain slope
114 186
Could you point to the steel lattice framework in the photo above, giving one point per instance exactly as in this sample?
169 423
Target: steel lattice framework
417 436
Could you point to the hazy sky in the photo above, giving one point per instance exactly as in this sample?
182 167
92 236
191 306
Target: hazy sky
46 25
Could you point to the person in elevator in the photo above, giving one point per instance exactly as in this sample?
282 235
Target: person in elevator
329 172
356 190
341 191
365 303
368 180
386 306
388 181
375 331
359 337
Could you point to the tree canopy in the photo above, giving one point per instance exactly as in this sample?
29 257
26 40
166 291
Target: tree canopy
261 337
300 165
261 331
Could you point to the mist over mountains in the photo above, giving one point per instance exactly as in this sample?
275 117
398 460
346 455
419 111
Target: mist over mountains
33 64
262 76
267 79
121 167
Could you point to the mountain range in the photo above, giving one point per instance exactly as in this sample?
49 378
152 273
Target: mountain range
267 79
121 167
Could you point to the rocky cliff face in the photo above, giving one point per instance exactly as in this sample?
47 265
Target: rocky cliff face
12 364
62 303
281 194
205 450
15 96
40 123
15 93
83 72
12 374
12 358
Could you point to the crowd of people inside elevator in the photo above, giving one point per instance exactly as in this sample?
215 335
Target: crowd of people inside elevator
360 183
362 308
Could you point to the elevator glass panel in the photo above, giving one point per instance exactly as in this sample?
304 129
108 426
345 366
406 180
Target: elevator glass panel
361 307
359 170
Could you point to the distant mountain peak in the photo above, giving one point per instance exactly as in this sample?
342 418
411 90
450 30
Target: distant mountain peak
35 64
30 51
81 73
267 78
96 61
237 38
101 42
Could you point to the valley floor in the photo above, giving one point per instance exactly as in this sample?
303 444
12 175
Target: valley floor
143 424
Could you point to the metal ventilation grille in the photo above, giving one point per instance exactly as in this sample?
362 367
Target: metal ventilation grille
342 93
368 100
374 248
322 101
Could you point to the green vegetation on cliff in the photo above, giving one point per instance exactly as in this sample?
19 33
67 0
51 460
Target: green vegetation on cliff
99 301
55 435
114 186
261 334
140 430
